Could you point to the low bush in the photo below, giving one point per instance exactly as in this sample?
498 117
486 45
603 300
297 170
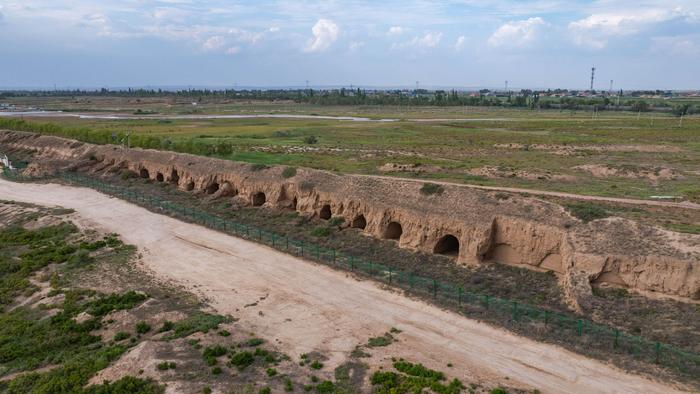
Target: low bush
586 211
258 167
198 322
254 342
316 364
310 139
321 231
415 379
242 360
289 172
385 340
121 335
167 326
142 327
431 188
127 384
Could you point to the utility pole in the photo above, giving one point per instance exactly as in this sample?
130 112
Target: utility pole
506 90
592 77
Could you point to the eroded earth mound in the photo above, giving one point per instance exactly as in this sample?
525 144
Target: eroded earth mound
475 226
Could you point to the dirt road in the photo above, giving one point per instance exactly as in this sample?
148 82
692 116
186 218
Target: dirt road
631 201
304 307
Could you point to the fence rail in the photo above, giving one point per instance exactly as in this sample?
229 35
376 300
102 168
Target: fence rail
577 329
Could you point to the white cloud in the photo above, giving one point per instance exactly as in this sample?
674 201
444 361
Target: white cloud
517 33
213 43
676 45
325 33
396 30
459 44
355 45
429 40
233 50
596 30
273 29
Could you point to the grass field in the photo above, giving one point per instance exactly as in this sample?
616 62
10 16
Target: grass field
641 155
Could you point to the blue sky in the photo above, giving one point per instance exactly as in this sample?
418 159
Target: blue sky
450 43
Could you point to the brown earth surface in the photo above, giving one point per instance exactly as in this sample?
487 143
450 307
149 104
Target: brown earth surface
517 230
308 307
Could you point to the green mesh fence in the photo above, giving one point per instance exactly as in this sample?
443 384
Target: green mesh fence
576 329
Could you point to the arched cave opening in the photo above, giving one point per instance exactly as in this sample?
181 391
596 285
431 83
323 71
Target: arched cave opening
447 245
174 177
259 199
359 222
393 231
325 212
144 173
159 177
212 188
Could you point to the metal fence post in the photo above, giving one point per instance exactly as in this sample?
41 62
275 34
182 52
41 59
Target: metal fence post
657 351
579 325
515 310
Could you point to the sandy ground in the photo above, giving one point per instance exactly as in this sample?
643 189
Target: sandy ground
303 307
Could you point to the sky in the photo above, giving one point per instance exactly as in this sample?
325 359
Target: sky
640 44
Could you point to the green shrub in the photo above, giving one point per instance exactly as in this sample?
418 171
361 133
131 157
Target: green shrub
198 322
258 167
321 231
325 387
336 221
255 342
121 335
214 351
316 364
385 340
418 370
265 390
289 172
431 188
224 333
271 372
128 174
586 211
115 302
127 384
242 360
498 390
216 371
167 326
310 139
288 385
142 327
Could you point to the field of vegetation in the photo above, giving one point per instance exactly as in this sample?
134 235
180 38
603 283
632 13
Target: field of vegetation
619 154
